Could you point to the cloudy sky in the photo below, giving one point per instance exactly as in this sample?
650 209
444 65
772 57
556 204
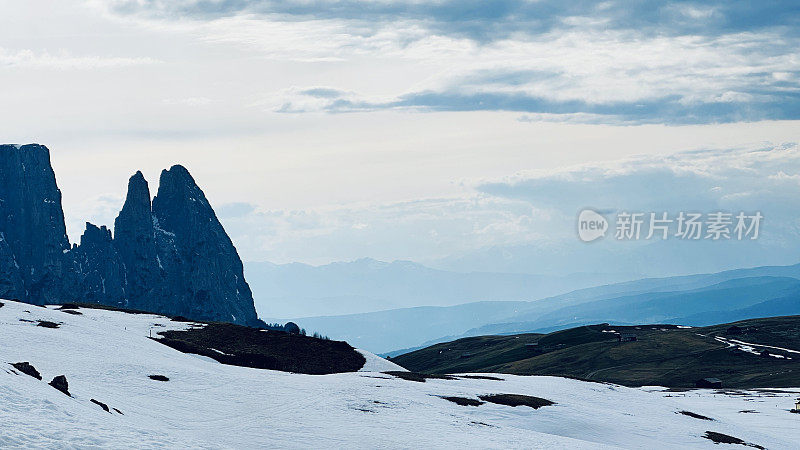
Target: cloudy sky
442 131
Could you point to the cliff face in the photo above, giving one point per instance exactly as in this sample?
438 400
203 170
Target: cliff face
135 242
205 273
171 257
32 225
98 273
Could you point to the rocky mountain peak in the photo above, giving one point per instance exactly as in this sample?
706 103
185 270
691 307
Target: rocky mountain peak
32 223
193 241
138 198
94 235
179 198
169 256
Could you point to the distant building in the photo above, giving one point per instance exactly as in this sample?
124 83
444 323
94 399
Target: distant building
626 337
708 383
797 406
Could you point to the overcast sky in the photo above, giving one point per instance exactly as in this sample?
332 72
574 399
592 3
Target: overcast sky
398 129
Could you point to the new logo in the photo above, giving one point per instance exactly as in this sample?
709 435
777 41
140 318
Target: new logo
591 225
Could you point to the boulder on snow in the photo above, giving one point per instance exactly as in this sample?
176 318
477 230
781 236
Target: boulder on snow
27 369
101 404
291 328
158 377
60 383
47 324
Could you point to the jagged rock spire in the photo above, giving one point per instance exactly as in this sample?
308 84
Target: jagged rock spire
32 225
98 273
134 239
195 245
171 256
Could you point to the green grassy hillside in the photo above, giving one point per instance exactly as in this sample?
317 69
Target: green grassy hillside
664 355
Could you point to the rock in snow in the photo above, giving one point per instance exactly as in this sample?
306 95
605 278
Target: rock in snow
26 368
60 383
171 256
100 404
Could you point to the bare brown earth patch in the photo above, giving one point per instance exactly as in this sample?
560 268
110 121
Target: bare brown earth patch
417 376
719 438
516 400
238 345
694 415
462 401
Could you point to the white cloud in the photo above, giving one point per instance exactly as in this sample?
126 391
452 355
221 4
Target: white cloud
533 208
745 179
599 60
310 173
423 229
189 101
63 60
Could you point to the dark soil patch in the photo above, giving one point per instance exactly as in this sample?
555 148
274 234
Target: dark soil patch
463 401
158 377
481 377
115 409
47 324
73 306
27 369
103 307
265 349
749 411
2 304
60 383
418 377
482 424
101 404
695 415
516 400
68 306
719 438
73 312
779 391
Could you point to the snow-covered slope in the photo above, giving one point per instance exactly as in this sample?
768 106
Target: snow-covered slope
107 356
375 363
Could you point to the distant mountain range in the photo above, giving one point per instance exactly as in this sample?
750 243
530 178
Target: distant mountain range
691 300
649 258
367 285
